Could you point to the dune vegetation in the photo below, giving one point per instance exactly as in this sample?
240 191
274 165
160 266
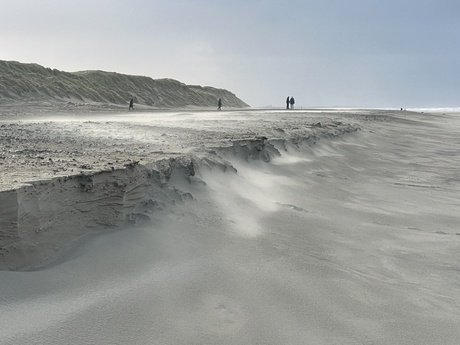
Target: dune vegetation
32 83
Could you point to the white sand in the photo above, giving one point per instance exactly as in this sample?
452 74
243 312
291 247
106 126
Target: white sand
352 240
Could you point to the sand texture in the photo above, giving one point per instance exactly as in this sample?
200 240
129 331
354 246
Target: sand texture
232 227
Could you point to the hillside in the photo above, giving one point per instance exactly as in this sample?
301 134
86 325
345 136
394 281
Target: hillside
32 82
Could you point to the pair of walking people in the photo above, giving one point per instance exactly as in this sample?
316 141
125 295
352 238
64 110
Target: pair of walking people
290 103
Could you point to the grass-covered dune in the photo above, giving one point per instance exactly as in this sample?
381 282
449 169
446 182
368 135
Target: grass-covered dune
32 82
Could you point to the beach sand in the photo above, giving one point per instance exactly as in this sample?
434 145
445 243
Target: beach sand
234 227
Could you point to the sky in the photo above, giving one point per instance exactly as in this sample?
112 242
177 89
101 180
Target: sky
324 53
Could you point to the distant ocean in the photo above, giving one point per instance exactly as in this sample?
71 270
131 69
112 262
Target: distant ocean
436 110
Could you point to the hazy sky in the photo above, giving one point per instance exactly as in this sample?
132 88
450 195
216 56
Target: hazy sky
370 53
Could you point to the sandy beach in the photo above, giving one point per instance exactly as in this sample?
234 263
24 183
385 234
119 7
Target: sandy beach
250 226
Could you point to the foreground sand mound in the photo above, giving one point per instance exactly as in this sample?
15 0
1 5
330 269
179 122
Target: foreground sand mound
32 82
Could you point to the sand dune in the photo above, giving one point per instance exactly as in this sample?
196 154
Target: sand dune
34 83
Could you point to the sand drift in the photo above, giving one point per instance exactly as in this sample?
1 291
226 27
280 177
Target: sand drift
270 227
120 179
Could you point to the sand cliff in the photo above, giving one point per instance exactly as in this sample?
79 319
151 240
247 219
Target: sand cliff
65 179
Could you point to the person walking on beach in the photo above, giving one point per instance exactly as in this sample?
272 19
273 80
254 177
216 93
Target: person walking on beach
292 102
131 104
219 104
287 102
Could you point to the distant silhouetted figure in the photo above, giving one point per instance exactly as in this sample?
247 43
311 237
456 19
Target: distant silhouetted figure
287 102
131 104
219 104
292 102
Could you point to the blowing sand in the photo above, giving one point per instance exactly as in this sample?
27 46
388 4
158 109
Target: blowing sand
238 227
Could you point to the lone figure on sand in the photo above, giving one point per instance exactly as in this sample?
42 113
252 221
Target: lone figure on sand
219 104
292 102
287 102
131 104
